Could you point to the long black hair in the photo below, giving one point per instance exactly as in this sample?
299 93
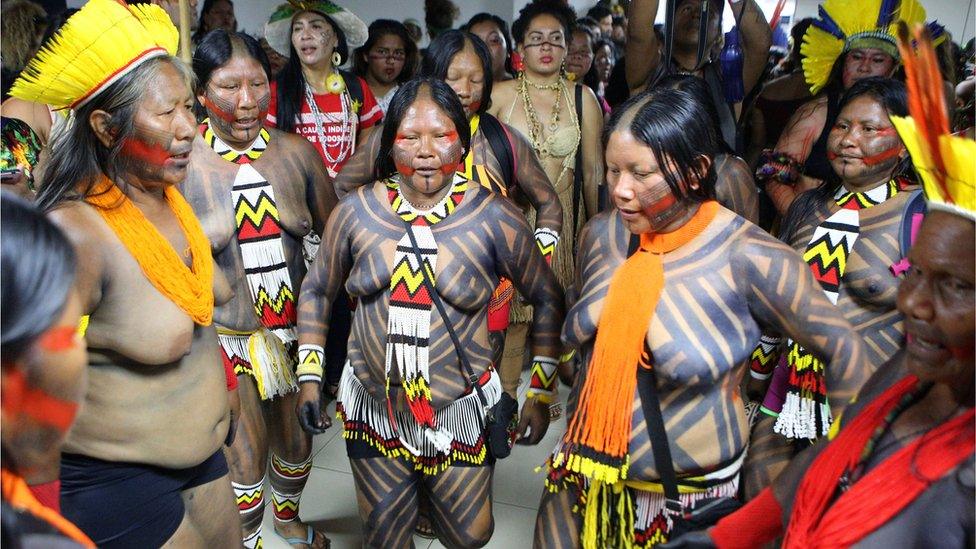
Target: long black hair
676 128
378 29
485 17
38 266
699 90
446 99
441 52
291 80
216 49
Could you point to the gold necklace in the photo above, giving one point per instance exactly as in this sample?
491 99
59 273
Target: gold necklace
535 127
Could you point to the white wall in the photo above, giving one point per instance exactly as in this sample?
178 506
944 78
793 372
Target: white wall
956 15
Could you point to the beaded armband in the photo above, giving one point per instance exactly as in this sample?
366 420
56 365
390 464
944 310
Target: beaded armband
546 239
779 166
542 385
311 360
764 357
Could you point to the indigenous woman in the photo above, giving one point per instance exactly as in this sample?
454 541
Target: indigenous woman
579 53
850 232
387 59
687 307
333 109
852 40
898 470
599 74
262 196
144 464
43 374
419 379
500 159
563 124
312 97
494 32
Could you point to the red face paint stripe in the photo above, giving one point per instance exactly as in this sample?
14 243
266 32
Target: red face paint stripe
58 339
147 152
24 400
882 156
213 109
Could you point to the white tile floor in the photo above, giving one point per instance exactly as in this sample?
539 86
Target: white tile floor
329 501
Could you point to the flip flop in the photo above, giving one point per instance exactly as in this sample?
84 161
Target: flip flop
307 540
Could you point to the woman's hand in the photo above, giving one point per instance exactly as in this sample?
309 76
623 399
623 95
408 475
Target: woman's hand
311 410
534 419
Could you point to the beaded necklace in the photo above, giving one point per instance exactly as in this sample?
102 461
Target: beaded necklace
536 130
345 133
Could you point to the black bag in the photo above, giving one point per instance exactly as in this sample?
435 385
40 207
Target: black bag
702 513
501 420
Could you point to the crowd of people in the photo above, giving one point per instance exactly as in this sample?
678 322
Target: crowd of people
753 270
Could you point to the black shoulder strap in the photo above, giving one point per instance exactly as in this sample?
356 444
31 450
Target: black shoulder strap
578 168
501 147
354 87
436 298
651 406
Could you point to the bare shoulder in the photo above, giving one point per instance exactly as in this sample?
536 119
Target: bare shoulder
590 102
80 222
502 94
292 141
816 107
36 115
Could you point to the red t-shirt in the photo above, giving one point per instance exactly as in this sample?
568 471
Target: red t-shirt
335 128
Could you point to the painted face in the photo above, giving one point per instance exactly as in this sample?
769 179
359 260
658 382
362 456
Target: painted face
220 16
863 147
313 38
937 299
41 394
158 151
544 48
580 56
497 45
466 77
604 62
237 98
863 63
639 190
386 59
686 21
426 151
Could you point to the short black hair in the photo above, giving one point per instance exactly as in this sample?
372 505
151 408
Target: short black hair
598 12
698 89
563 13
216 49
441 52
378 29
38 272
675 127
446 99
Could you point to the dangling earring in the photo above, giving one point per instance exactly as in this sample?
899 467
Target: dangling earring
517 64
562 70
336 59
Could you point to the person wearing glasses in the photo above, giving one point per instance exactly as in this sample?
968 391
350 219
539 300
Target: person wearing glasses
387 59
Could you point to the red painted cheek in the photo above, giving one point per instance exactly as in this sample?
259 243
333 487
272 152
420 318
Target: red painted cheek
882 156
887 132
451 136
831 155
449 168
220 113
58 339
658 206
404 169
149 153
20 399
474 106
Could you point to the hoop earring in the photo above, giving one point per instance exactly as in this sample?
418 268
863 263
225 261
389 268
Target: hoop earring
336 59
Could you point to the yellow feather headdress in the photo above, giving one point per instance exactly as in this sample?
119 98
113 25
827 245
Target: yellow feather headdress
99 44
843 25
946 163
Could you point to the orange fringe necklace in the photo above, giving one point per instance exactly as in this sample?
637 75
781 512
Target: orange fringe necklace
190 289
595 444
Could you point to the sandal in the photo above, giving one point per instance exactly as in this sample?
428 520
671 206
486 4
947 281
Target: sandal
307 540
